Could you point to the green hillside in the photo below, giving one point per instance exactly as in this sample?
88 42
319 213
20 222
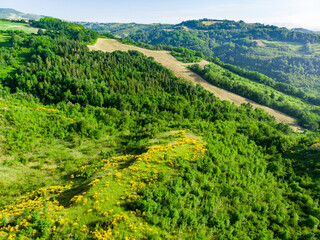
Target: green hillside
122 29
12 14
262 90
100 145
249 84
286 56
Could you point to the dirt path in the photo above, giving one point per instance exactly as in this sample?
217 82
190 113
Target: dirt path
167 60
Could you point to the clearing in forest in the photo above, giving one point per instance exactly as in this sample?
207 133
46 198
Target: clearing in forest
208 23
6 25
180 70
259 42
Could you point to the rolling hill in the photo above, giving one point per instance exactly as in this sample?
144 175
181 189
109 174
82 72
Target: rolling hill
11 14
180 70
305 30
122 29
286 56
113 145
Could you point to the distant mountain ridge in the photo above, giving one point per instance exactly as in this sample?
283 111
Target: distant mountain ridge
287 56
12 14
304 30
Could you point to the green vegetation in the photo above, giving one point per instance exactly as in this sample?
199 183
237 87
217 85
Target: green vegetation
112 145
260 78
14 26
59 28
307 114
288 56
122 29
186 55
4 40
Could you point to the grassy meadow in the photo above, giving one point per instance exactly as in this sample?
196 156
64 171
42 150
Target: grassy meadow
4 25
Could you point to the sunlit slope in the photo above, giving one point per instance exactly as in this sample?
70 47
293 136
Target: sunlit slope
166 59
104 192
7 25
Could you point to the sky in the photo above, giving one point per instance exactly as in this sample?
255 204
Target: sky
283 13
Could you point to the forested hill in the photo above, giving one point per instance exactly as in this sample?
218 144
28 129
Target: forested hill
304 30
282 96
123 29
100 145
240 29
286 56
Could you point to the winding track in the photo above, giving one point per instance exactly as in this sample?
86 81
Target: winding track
167 60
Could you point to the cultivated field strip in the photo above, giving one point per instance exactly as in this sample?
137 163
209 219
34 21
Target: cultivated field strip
167 60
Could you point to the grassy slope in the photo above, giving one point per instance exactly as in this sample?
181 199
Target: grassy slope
116 183
40 159
78 187
90 189
66 185
4 25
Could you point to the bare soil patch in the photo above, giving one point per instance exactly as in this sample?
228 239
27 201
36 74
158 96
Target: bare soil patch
259 42
167 60
186 28
209 22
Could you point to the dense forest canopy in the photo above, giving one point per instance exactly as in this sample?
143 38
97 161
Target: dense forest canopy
240 29
113 145
61 28
122 29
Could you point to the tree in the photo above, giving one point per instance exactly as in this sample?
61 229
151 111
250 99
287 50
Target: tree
308 48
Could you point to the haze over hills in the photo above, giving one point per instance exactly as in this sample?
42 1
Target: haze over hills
12 14
124 29
305 30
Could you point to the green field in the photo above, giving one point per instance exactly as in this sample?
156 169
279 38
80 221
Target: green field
4 25
293 47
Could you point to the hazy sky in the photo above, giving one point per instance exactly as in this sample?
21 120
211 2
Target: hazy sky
290 13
